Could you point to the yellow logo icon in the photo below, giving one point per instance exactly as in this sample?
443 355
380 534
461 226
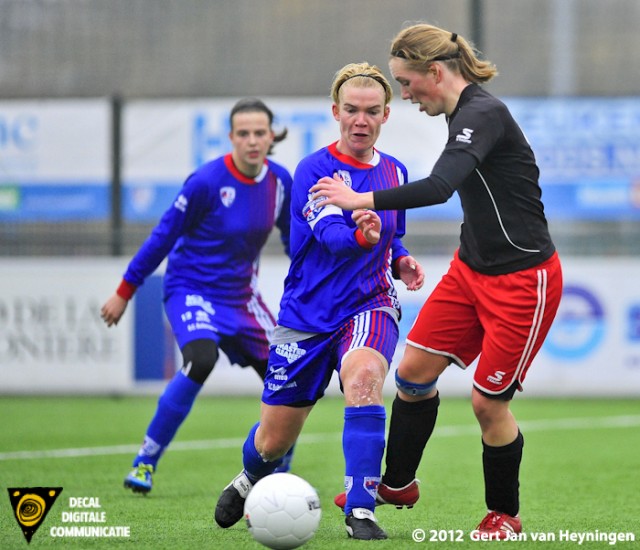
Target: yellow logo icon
31 505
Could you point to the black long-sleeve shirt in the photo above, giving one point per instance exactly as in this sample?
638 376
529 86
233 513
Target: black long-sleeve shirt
489 162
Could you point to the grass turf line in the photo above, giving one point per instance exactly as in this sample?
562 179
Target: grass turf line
577 474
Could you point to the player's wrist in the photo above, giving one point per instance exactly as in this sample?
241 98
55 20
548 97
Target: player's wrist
366 200
126 290
395 267
362 240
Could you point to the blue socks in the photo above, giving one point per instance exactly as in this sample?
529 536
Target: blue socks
173 407
254 465
363 445
286 462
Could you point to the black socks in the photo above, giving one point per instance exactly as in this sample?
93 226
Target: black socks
410 428
501 467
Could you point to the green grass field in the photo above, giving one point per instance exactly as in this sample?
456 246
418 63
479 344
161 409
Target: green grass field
580 472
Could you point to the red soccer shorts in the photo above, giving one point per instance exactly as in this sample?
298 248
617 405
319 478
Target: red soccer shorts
502 318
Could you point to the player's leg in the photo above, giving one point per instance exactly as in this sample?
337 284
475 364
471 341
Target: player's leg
249 346
526 302
502 446
446 331
199 349
366 348
174 405
267 443
297 375
413 417
362 377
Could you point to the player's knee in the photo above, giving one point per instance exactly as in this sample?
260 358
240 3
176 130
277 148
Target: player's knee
273 448
489 409
362 383
199 358
414 388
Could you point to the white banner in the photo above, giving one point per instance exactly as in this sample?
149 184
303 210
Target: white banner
55 141
166 140
52 339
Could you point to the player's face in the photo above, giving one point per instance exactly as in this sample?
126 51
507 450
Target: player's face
251 137
361 113
417 87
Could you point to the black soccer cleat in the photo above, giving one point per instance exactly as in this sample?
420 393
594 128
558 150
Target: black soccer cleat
230 505
362 525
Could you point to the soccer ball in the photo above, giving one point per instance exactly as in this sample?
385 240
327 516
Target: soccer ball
282 511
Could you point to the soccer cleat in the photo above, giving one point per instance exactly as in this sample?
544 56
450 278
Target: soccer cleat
404 496
139 479
230 505
499 526
363 525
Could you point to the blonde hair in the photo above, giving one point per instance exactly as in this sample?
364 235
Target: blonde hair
361 75
421 44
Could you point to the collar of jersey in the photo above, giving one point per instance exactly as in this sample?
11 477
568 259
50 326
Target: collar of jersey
228 161
346 159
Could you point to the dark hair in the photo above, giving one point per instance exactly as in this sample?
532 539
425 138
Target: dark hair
255 105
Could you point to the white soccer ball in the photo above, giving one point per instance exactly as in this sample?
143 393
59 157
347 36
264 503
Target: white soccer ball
282 511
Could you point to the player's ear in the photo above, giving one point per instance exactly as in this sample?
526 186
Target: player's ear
335 109
387 111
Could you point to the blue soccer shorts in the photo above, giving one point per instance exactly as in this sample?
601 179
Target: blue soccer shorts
242 331
299 372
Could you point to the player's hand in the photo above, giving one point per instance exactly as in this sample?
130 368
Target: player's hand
336 192
113 309
369 224
411 273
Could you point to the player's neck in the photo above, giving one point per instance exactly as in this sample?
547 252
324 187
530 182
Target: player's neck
247 170
364 156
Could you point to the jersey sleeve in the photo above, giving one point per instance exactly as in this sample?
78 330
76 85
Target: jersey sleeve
327 223
398 250
331 230
283 222
185 212
475 131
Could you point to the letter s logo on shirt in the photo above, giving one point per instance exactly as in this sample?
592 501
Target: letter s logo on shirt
465 135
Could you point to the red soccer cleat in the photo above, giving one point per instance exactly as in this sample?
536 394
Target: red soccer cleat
404 496
498 526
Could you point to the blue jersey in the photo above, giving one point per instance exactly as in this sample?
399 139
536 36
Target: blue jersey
332 277
215 229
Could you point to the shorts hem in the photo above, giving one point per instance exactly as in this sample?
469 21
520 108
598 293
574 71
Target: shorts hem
453 358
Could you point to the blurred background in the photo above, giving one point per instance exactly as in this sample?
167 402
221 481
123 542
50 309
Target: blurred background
107 106
193 49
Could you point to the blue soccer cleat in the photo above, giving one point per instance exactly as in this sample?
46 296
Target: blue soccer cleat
139 479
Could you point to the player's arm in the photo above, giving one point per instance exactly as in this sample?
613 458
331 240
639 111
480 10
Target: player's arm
186 211
283 222
114 308
404 266
331 230
369 225
409 271
451 169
